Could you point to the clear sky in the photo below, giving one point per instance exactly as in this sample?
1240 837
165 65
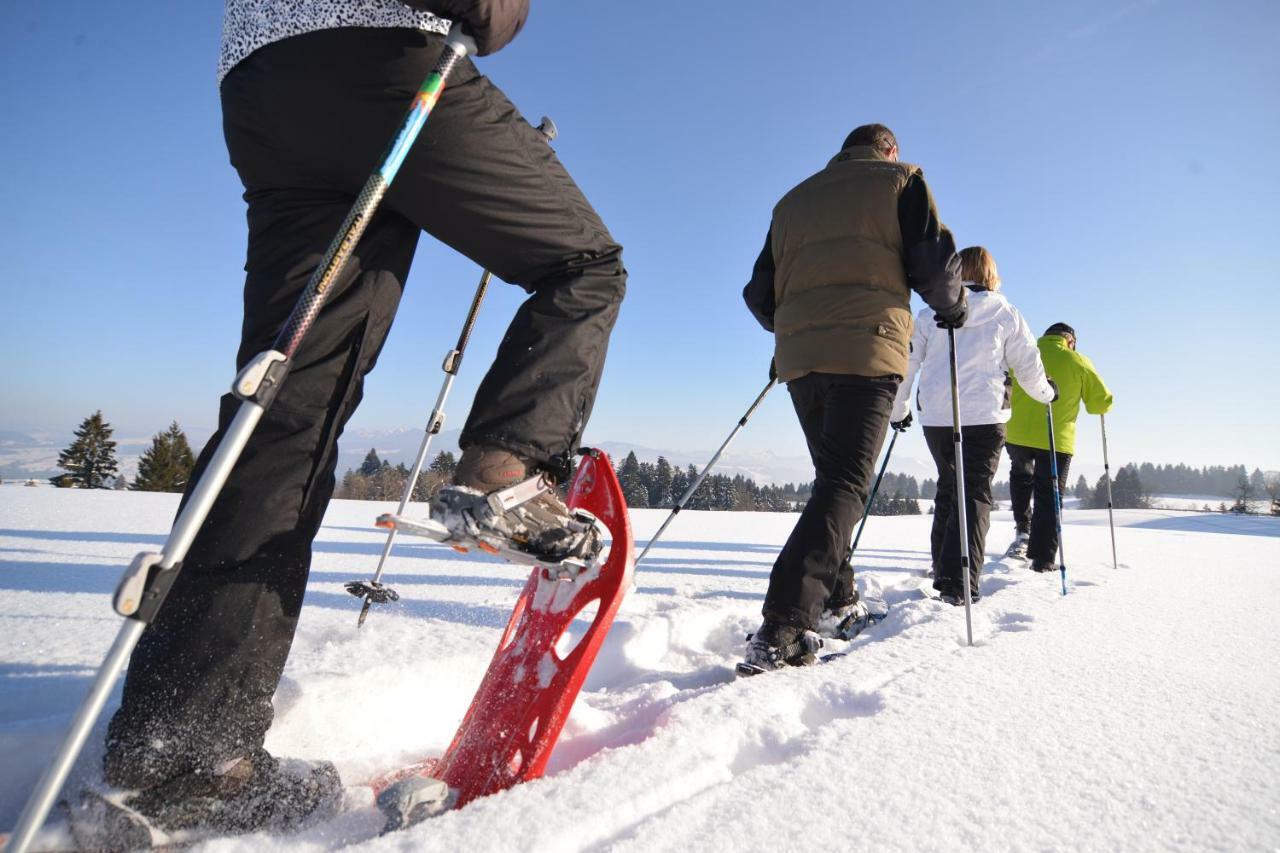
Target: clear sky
1119 159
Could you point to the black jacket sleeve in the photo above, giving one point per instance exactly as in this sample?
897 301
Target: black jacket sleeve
492 23
933 267
758 294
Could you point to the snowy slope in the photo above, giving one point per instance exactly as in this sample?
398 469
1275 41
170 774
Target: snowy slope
1136 713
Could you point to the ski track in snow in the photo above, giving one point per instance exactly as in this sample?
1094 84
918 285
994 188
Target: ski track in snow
1136 713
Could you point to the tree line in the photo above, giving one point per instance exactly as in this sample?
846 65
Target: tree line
90 462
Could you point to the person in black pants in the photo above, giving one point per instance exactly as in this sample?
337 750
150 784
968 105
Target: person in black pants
308 110
833 283
994 341
1031 474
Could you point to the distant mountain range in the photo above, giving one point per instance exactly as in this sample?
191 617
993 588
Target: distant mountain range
26 455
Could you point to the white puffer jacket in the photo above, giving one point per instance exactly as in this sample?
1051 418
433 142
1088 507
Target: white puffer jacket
994 340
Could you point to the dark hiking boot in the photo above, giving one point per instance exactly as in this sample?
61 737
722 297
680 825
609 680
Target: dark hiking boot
1018 548
1043 566
775 646
500 503
848 620
246 794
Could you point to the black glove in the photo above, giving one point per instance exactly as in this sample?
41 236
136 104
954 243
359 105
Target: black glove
901 426
492 23
773 368
1054 386
953 317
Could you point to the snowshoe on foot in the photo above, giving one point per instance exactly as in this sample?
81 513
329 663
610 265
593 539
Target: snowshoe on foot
1018 548
1043 566
775 646
246 794
848 621
499 505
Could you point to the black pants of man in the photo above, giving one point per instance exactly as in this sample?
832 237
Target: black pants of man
1031 472
982 444
306 121
844 419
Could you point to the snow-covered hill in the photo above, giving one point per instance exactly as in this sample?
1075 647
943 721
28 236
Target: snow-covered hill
1136 713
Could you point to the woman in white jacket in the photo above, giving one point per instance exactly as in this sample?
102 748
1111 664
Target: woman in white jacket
994 340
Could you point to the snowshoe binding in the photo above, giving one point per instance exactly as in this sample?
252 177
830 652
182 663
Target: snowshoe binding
497 509
1017 550
850 620
775 646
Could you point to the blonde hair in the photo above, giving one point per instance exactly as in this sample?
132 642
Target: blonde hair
977 266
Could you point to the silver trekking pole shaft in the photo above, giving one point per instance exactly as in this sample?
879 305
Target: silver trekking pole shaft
150 576
963 527
707 470
1106 467
1057 498
374 592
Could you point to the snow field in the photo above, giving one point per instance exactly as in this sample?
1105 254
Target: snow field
1136 713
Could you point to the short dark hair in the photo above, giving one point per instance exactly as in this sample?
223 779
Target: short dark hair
876 135
1061 329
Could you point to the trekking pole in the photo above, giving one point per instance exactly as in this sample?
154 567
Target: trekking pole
1106 467
960 498
872 498
1057 499
150 576
773 380
374 591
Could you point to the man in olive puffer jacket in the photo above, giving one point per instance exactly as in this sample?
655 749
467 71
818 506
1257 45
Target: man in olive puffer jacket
312 92
833 283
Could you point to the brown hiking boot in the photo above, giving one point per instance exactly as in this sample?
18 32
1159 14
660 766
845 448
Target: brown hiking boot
498 499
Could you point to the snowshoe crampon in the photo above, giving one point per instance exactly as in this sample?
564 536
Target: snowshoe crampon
516 716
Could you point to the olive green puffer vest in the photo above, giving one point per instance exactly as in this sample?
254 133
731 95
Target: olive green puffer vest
843 304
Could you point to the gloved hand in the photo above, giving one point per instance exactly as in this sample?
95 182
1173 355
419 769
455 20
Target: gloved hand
492 23
953 317
901 426
1054 386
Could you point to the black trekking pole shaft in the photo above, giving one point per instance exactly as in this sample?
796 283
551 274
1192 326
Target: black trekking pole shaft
866 511
1111 518
714 459
147 581
963 525
1057 498
435 423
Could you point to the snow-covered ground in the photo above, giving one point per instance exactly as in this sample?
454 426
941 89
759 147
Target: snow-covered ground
1139 712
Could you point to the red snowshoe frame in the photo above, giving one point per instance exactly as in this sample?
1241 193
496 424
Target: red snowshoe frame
516 716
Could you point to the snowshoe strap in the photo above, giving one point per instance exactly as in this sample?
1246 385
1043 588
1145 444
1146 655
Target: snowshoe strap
521 492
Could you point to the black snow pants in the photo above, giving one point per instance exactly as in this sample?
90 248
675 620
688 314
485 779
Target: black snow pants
982 444
1031 472
306 121
844 419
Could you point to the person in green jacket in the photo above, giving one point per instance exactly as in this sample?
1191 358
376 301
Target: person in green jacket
1028 442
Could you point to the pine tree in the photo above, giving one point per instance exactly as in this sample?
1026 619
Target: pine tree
166 465
634 491
1082 491
1128 492
90 460
660 493
371 464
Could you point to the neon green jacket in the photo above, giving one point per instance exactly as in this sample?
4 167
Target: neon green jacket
1078 382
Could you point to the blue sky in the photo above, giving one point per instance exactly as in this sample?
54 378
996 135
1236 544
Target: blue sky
1118 159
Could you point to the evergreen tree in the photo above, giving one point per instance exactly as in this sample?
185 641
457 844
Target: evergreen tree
929 489
1244 494
90 460
634 490
371 464
166 465
1082 491
660 492
1128 492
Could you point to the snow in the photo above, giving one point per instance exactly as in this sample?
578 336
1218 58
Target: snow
1135 713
